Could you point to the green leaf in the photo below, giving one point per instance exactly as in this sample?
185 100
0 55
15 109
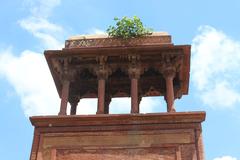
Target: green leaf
128 28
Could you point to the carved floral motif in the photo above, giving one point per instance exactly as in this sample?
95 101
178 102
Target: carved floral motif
113 42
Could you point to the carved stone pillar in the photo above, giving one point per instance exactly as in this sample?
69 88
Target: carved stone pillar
139 99
64 97
66 77
102 73
169 74
134 74
101 96
134 96
73 102
107 102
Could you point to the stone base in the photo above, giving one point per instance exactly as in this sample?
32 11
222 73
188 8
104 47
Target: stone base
162 136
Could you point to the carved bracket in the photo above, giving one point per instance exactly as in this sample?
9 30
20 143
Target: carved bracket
134 73
102 70
134 69
169 72
66 73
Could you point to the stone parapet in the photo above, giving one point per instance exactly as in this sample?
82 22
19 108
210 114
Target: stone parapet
158 38
168 136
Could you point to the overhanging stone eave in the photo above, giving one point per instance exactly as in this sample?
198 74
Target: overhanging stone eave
186 68
56 80
87 51
121 119
65 53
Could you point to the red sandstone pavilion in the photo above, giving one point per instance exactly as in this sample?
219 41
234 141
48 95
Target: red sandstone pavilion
104 68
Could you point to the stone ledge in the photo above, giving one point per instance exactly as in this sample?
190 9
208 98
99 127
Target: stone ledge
118 119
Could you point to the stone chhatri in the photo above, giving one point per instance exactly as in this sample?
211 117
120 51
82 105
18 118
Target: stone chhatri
96 66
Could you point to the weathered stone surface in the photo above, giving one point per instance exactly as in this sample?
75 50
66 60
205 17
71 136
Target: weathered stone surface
163 136
118 154
104 68
84 41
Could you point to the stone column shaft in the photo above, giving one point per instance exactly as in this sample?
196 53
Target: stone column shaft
64 97
169 73
101 96
73 109
134 96
74 102
169 94
134 75
107 102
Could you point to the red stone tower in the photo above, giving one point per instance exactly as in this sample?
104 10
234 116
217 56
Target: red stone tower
104 68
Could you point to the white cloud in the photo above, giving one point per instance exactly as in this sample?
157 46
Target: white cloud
222 95
30 77
96 31
41 8
28 73
38 25
34 24
225 158
215 67
43 30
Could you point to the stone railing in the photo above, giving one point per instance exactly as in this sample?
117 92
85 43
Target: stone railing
83 42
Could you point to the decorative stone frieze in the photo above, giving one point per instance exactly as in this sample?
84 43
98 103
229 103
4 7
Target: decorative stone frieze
104 41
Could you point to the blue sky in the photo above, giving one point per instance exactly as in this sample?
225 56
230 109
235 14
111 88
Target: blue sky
28 27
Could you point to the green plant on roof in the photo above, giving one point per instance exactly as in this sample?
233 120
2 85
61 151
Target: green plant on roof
128 28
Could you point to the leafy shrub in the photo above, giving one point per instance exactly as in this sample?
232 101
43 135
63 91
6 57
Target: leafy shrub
128 28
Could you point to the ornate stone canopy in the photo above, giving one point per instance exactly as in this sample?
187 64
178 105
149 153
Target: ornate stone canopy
104 68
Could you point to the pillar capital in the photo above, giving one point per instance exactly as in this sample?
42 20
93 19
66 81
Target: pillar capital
168 72
134 70
102 73
133 58
102 70
134 73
